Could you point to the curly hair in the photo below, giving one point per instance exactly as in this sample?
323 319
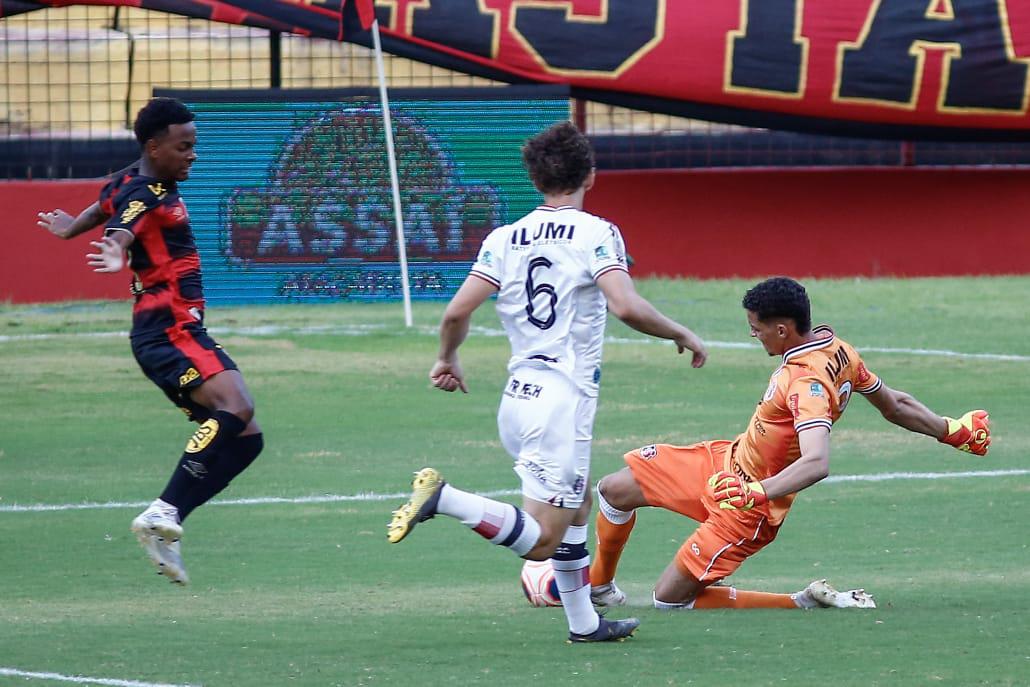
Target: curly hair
559 159
780 297
156 116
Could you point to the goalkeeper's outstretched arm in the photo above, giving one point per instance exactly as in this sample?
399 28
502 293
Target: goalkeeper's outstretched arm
970 433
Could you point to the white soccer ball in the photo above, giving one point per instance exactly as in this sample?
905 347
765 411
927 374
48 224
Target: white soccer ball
539 585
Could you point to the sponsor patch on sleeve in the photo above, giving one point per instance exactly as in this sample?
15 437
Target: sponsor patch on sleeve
815 389
863 374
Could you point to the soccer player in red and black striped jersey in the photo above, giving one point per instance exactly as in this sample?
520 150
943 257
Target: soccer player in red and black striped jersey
147 228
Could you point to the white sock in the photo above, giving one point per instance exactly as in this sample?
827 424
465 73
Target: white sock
501 523
166 508
666 606
613 514
803 600
461 505
571 563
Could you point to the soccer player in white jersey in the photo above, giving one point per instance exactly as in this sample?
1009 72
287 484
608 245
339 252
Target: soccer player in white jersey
557 272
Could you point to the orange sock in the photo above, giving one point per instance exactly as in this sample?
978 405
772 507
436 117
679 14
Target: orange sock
728 597
611 540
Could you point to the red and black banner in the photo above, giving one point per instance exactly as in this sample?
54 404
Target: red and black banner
947 69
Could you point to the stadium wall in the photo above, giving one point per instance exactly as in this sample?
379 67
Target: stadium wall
868 222
696 223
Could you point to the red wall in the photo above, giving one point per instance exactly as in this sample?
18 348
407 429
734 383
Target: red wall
35 265
704 223
819 222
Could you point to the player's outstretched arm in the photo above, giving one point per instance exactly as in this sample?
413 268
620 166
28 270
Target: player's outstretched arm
64 226
110 255
970 433
446 373
629 306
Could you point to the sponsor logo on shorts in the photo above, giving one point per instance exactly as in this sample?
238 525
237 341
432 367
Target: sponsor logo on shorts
695 548
188 376
649 452
579 485
204 435
536 470
522 390
597 375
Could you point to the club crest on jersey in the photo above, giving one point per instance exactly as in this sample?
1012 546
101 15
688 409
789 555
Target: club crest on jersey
136 207
158 190
815 389
648 452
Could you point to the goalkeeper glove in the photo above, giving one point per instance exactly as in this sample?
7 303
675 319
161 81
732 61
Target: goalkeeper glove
733 493
970 433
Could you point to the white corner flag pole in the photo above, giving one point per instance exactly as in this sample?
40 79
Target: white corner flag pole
402 252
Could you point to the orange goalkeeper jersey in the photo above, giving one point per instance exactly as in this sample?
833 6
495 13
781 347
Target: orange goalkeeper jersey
811 388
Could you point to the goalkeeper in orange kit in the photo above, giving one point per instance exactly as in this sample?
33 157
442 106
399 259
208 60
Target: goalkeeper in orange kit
741 490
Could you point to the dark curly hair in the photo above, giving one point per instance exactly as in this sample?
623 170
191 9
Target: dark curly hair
780 297
559 159
156 116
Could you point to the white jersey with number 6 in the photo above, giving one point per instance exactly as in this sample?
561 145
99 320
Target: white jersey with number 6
545 267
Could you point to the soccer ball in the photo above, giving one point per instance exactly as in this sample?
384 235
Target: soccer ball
539 585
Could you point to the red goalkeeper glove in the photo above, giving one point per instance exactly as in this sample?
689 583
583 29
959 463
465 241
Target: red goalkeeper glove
733 493
970 433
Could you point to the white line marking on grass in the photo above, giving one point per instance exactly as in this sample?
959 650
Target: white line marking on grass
371 496
366 329
12 672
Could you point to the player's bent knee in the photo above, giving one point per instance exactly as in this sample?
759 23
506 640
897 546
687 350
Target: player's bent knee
618 489
544 548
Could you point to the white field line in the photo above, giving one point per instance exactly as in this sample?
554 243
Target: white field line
364 330
372 496
78 679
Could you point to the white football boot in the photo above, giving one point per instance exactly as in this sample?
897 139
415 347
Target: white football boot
158 531
607 595
819 594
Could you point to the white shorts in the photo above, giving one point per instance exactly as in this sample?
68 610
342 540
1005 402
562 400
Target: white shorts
546 424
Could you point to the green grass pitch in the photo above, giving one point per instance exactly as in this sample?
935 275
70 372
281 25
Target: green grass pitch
310 593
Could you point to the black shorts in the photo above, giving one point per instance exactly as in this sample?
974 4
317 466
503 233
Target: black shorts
178 360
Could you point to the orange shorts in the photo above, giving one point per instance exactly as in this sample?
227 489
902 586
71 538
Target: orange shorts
676 478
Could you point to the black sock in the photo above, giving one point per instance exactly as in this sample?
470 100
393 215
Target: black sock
200 456
235 457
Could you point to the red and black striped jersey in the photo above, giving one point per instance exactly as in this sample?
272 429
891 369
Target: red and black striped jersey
163 254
